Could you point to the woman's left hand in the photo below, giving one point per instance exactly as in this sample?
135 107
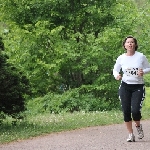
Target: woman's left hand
140 72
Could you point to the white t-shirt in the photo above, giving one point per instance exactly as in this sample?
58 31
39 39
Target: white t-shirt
130 66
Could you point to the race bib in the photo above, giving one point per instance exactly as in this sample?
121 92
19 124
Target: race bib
131 72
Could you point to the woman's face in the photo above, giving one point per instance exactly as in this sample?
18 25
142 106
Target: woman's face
130 44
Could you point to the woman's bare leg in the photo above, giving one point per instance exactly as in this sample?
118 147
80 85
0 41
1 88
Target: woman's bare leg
129 126
137 123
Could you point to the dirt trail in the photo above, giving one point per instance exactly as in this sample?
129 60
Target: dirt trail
112 137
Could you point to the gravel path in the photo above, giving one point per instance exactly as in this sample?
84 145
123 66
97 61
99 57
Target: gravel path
112 137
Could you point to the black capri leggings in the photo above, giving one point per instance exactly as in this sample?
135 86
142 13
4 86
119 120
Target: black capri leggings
131 97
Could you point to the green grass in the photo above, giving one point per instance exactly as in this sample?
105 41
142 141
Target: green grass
41 124
37 124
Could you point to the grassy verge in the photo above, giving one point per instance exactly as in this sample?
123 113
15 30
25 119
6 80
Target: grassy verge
41 124
37 124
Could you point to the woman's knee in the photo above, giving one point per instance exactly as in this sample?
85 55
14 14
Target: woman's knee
127 117
136 116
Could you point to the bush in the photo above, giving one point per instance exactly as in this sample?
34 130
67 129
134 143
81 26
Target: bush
71 101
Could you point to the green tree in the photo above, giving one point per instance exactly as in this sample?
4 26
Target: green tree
14 86
71 43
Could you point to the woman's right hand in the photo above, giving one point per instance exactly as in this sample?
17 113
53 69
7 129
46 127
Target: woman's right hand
119 77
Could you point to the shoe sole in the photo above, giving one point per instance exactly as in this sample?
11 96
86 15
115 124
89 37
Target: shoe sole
140 138
131 141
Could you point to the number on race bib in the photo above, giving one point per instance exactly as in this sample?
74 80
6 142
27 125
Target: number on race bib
132 72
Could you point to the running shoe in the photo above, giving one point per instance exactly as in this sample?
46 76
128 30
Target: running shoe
140 132
131 138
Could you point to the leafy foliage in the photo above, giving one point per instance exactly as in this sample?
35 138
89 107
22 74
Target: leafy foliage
67 45
71 101
14 86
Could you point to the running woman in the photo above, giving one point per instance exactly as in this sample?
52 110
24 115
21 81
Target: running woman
131 91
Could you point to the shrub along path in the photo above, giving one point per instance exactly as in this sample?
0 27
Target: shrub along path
111 137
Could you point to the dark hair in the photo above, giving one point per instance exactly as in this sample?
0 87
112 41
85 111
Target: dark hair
135 40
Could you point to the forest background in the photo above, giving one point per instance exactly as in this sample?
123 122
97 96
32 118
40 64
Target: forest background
67 49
